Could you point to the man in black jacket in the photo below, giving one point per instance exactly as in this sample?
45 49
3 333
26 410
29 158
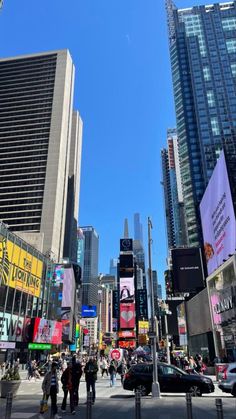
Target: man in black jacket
90 370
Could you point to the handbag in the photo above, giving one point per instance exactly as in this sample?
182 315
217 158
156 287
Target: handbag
44 404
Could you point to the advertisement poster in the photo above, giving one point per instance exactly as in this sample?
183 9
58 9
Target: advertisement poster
68 294
218 218
47 331
141 304
143 327
89 311
21 270
182 325
126 290
67 324
127 316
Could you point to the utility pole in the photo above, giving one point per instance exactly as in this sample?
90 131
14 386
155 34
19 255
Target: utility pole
155 383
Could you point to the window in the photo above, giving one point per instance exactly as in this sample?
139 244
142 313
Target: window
229 24
215 126
206 74
210 99
231 45
233 68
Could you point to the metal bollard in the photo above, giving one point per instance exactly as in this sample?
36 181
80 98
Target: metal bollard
137 404
89 405
189 406
219 409
8 406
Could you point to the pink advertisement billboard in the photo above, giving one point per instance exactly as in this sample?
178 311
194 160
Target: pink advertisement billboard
126 290
68 294
218 218
47 331
127 316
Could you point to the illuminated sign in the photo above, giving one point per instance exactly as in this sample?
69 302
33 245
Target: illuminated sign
47 331
21 270
143 327
42 346
89 311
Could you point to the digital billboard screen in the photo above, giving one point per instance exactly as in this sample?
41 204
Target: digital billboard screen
127 316
68 295
47 331
126 290
218 218
89 311
188 273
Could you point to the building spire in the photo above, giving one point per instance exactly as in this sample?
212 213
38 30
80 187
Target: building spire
126 229
170 7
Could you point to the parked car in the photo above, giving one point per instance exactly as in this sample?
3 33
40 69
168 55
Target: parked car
171 380
228 379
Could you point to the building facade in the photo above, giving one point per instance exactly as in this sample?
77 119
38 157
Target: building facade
202 43
90 267
40 148
173 193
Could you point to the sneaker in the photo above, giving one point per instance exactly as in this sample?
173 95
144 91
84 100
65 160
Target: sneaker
73 413
57 417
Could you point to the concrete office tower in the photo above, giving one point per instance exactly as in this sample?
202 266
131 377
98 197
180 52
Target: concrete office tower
173 192
202 49
90 268
36 145
73 189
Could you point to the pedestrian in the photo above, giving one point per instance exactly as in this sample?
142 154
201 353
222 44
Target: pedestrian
90 370
121 369
192 364
112 371
50 387
77 374
104 366
68 387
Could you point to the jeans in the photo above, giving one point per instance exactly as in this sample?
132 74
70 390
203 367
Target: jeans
53 395
91 383
63 406
112 379
76 395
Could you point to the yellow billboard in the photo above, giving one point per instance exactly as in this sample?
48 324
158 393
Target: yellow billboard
143 327
19 269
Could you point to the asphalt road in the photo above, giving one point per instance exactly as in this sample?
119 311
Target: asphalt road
117 403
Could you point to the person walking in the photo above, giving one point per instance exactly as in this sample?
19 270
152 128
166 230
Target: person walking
104 366
68 386
77 372
121 369
50 387
112 371
90 371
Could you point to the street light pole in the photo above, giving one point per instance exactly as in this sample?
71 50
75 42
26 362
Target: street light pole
99 314
155 383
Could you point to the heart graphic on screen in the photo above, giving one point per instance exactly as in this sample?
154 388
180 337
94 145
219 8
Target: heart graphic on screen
127 315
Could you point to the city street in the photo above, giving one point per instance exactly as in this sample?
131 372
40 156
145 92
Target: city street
118 403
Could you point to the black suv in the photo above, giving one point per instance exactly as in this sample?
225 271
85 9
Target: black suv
171 380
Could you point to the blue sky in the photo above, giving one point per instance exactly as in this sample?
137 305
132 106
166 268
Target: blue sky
124 94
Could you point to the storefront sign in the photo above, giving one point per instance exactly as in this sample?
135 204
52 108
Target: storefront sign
224 305
126 334
21 270
7 345
41 346
143 327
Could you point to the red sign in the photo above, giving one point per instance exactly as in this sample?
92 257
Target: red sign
127 344
115 354
127 316
126 334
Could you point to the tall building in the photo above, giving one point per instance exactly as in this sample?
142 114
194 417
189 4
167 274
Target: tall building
138 228
90 267
40 145
140 259
1 3
159 291
108 283
113 267
202 42
173 192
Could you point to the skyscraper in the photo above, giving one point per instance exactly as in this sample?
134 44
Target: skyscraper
202 43
90 268
39 149
173 193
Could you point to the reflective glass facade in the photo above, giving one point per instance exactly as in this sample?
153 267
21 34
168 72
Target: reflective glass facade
203 60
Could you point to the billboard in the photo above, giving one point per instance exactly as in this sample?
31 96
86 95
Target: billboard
126 290
188 273
141 304
218 218
47 331
127 316
126 265
126 245
182 324
68 294
143 327
115 304
89 311
19 268
14 328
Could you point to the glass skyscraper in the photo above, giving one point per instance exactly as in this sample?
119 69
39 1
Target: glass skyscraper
202 43
90 266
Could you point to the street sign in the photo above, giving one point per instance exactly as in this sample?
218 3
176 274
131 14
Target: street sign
41 346
116 354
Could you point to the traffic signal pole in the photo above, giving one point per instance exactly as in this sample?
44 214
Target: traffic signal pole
155 383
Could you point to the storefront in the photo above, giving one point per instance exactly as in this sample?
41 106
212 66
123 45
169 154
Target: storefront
222 298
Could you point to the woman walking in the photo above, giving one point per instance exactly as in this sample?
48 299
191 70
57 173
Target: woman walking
50 388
